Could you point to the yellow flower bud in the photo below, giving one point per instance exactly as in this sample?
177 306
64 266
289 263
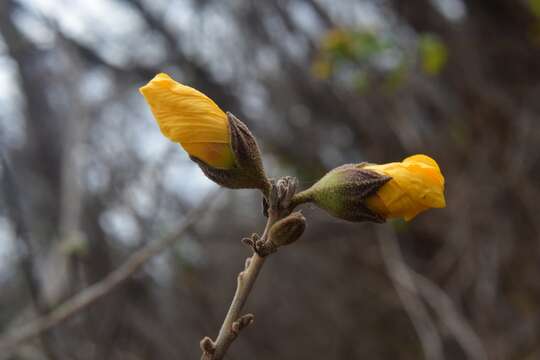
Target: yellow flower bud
222 145
417 184
189 117
370 192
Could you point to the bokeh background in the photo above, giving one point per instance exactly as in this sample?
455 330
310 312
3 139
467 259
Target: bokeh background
87 178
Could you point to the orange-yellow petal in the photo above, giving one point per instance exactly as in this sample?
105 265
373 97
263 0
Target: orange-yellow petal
417 185
217 155
187 116
375 204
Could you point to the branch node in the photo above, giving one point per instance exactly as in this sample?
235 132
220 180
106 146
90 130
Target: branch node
259 245
251 240
240 324
282 194
247 241
265 248
207 345
208 348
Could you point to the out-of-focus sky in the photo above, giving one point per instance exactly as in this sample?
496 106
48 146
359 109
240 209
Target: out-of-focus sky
107 26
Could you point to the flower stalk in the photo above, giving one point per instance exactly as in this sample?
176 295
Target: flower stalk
279 208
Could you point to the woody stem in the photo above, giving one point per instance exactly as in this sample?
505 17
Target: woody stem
280 205
302 198
245 281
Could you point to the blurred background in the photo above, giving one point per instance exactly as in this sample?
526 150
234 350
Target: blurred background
87 178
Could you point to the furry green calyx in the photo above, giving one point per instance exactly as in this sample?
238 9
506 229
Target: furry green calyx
342 191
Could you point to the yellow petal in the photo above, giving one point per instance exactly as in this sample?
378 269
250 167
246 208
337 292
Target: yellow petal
417 184
189 117
425 164
399 202
375 204
217 155
423 159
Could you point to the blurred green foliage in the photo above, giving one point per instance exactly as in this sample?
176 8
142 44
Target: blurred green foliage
367 59
433 54
534 6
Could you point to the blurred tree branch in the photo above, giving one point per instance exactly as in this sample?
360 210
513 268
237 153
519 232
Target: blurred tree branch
412 287
25 250
96 291
408 293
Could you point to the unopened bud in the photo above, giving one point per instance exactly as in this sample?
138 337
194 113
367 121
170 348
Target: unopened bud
371 192
219 143
287 230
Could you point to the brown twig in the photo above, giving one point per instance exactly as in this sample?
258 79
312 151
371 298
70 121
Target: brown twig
25 250
279 206
449 315
245 281
421 287
92 293
408 293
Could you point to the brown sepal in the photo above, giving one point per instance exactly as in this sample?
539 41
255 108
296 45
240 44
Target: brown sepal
345 198
248 172
363 183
